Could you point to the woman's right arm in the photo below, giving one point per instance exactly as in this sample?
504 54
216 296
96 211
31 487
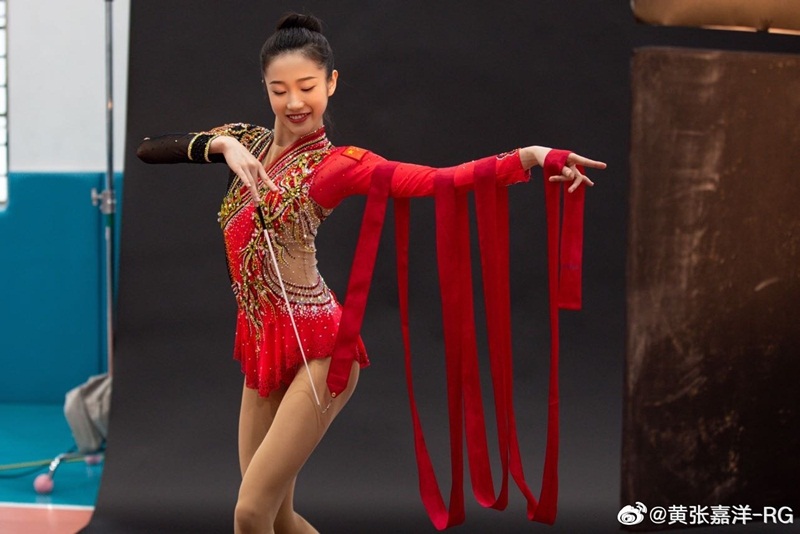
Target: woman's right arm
196 147
220 145
169 148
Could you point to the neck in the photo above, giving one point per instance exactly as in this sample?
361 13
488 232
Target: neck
283 138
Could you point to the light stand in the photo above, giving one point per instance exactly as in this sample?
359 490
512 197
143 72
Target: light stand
106 200
86 407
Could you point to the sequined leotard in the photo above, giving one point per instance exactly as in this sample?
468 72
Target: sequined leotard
313 177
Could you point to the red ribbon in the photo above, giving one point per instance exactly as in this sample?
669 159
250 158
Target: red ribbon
360 278
465 406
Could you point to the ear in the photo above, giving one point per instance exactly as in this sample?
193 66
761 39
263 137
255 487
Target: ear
332 82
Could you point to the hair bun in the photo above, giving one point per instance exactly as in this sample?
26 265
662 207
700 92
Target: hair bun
296 20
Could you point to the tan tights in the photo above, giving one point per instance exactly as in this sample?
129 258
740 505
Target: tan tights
277 434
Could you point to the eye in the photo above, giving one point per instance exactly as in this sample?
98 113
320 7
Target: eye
278 93
308 89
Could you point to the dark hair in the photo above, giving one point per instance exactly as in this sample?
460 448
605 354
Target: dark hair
302 33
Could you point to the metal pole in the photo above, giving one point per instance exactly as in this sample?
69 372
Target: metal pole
107 200
109 97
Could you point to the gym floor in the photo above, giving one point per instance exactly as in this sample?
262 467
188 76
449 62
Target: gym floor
31 436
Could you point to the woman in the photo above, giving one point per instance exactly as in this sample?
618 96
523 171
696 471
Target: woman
283 184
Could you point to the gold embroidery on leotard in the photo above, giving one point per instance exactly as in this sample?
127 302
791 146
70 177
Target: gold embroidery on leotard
292 220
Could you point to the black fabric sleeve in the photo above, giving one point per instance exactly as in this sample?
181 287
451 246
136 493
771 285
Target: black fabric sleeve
178 148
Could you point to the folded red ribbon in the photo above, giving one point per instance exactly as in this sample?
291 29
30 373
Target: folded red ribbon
465 406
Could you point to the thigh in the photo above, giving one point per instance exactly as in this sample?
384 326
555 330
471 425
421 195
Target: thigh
255 417
298 426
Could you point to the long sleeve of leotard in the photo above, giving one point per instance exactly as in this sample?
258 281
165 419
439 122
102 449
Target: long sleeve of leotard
194 147
348 171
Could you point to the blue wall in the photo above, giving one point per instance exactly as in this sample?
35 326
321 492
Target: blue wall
52 296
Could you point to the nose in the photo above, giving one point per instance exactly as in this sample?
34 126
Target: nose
295 101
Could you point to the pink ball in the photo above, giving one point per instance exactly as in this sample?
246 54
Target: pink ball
93 459
43 484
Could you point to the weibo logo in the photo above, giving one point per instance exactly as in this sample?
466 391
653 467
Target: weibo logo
632 515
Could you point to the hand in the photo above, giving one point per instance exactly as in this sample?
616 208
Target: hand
243 164
535 155
571 172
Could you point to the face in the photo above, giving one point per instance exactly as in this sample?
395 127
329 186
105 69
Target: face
298 91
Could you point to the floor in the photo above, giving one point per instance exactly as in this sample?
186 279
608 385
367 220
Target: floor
31 435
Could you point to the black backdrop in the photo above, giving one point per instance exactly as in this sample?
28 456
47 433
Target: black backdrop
429 82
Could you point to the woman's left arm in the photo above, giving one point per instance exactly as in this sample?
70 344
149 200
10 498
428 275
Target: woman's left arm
348 171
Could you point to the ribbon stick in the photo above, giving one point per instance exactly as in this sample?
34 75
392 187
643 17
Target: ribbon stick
289 307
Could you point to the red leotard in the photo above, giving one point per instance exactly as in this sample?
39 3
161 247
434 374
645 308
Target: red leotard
314 177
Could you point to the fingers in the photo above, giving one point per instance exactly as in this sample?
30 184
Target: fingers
249 177
577 177
251 172
264 178
572 173
575 159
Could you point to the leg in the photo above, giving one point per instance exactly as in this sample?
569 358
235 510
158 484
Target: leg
287 520
255 417
296 429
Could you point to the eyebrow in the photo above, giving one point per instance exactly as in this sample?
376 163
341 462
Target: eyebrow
299 80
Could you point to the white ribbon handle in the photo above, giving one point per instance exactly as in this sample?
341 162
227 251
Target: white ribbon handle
289 308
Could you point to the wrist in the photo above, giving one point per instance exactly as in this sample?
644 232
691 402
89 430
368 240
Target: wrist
199 147
219 143
533 155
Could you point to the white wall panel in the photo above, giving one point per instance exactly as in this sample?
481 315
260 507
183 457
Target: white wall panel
57 88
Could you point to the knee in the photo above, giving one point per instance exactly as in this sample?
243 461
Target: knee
250 519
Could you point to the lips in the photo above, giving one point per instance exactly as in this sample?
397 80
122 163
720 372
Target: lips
297 118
